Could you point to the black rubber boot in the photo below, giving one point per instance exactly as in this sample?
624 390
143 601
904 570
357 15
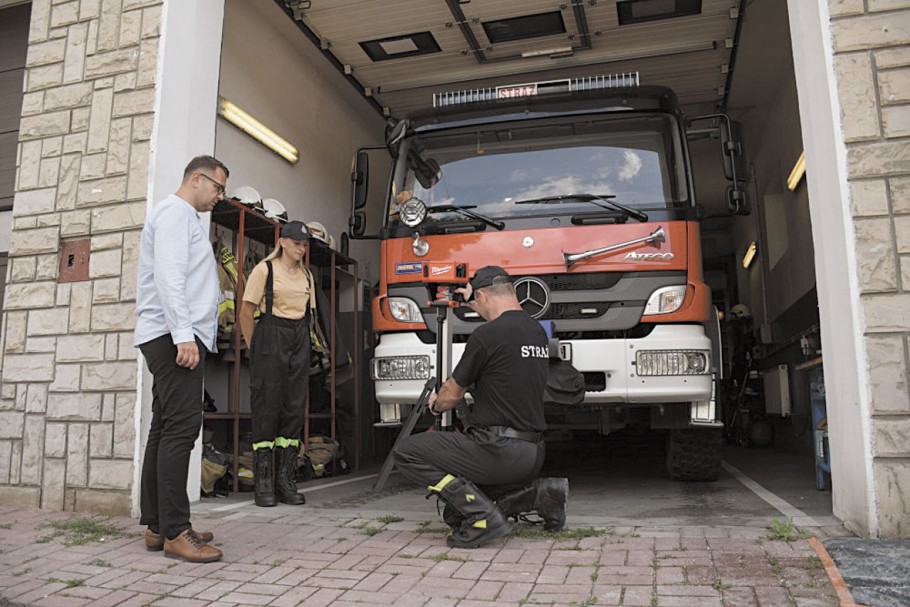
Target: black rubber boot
286 481
482 522
545 496
264 478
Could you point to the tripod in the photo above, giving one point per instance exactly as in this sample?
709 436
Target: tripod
443 362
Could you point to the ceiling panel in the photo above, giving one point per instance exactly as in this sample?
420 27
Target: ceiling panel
685 53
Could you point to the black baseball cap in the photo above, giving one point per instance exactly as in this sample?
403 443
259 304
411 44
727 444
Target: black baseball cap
295 230
489 275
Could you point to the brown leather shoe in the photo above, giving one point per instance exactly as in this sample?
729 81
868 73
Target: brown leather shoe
155 541
189 547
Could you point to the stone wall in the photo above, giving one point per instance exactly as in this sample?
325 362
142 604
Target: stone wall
69 369
872 64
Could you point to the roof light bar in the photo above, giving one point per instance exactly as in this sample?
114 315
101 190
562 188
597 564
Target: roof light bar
568 85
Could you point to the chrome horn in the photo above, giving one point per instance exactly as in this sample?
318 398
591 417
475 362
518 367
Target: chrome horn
656 237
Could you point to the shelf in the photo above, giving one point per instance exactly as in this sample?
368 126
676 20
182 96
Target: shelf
257 227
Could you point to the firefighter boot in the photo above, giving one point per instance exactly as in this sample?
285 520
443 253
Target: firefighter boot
286 477
264 477
545 496
482 522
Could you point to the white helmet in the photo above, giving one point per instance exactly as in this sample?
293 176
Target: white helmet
741 311
318 231
274 210
247 195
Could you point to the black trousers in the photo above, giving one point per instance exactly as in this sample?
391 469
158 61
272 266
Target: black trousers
495 463
176 421
279 377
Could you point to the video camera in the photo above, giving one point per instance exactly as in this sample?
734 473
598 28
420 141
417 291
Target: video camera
441 279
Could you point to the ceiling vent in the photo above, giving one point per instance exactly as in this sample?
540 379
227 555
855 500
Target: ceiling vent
396 47
522 28
640 11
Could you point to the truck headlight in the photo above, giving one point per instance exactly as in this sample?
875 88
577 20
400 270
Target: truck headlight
405 309
665 300
672 362
400 367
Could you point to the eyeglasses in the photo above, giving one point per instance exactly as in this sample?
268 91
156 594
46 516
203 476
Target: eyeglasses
220 187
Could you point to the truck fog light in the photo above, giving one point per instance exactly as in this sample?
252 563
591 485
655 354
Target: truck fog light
672 362
404 309
400 367
665 300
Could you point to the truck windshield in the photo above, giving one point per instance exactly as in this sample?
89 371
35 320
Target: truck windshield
634 158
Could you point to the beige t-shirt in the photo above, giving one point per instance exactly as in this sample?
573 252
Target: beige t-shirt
292 293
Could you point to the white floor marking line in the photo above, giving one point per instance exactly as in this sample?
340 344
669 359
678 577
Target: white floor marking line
309 490
779 504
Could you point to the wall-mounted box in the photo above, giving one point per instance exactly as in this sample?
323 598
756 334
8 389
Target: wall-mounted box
74 260
777 391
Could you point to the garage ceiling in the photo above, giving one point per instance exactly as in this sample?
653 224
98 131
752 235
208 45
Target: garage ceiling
398 53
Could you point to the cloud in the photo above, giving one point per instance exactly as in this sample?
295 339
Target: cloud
631 167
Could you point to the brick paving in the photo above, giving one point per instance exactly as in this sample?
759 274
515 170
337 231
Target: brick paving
320 561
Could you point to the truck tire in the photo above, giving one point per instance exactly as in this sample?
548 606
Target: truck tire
693 454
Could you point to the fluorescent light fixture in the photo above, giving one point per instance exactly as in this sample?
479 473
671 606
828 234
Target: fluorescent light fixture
796 175
563 50
750 255
258 131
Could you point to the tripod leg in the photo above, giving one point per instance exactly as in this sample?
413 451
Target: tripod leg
406 430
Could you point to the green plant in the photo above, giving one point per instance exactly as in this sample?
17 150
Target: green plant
444 556
6 525
80 531
786 531
594 577
389 518
99 563
370 531
718 585
526 531
813 562
585 603
23 572
775 564
425 528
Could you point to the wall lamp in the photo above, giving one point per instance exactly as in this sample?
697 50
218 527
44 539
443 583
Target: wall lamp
258 131
799 170
750 255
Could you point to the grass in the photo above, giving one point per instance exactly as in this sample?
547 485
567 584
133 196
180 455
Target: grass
6 525
69 583
813 562
81 531
444 556
426 528
775 565
585 603
99 563
594 577
370 531
718 585
534 532
786 531
389 518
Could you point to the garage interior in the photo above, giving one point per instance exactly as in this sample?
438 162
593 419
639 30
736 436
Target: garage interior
318 72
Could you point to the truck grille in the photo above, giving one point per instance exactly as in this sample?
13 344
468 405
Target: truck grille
581 282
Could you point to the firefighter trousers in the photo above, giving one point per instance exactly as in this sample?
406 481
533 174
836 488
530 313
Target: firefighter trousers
279 378
497 464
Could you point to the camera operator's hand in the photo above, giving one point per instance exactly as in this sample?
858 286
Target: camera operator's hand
467 293
432 402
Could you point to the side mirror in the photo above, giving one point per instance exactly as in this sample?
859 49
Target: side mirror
361 179
734 161
357 223
736 201
427 172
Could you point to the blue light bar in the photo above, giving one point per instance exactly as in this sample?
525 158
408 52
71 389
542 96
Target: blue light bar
532 89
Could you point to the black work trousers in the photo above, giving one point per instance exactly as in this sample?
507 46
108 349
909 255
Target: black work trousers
279 377
176 421
495 463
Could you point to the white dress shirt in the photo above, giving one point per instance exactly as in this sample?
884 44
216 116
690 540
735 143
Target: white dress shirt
178 288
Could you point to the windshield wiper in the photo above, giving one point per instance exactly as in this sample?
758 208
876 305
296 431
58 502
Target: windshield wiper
466 211
604 201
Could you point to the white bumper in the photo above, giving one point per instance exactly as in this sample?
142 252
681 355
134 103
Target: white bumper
615 358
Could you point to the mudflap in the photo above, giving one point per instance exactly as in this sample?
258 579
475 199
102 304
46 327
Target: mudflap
693 454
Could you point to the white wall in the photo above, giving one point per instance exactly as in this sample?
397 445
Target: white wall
186 101
846 377
270 70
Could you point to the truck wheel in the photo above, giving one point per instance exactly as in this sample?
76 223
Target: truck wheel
693 454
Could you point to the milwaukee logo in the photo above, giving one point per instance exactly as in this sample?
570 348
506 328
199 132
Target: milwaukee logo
437 270
633 256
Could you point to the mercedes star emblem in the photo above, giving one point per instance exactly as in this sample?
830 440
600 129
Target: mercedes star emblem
533 295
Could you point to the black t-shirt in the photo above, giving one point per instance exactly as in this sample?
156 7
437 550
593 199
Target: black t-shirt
506 360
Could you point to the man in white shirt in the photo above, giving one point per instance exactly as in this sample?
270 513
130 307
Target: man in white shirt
177 315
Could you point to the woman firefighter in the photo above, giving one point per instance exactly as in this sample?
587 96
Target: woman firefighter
281 288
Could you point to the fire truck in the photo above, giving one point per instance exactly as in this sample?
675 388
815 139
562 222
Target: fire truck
582 189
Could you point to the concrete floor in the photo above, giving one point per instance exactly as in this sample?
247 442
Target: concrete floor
610 485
